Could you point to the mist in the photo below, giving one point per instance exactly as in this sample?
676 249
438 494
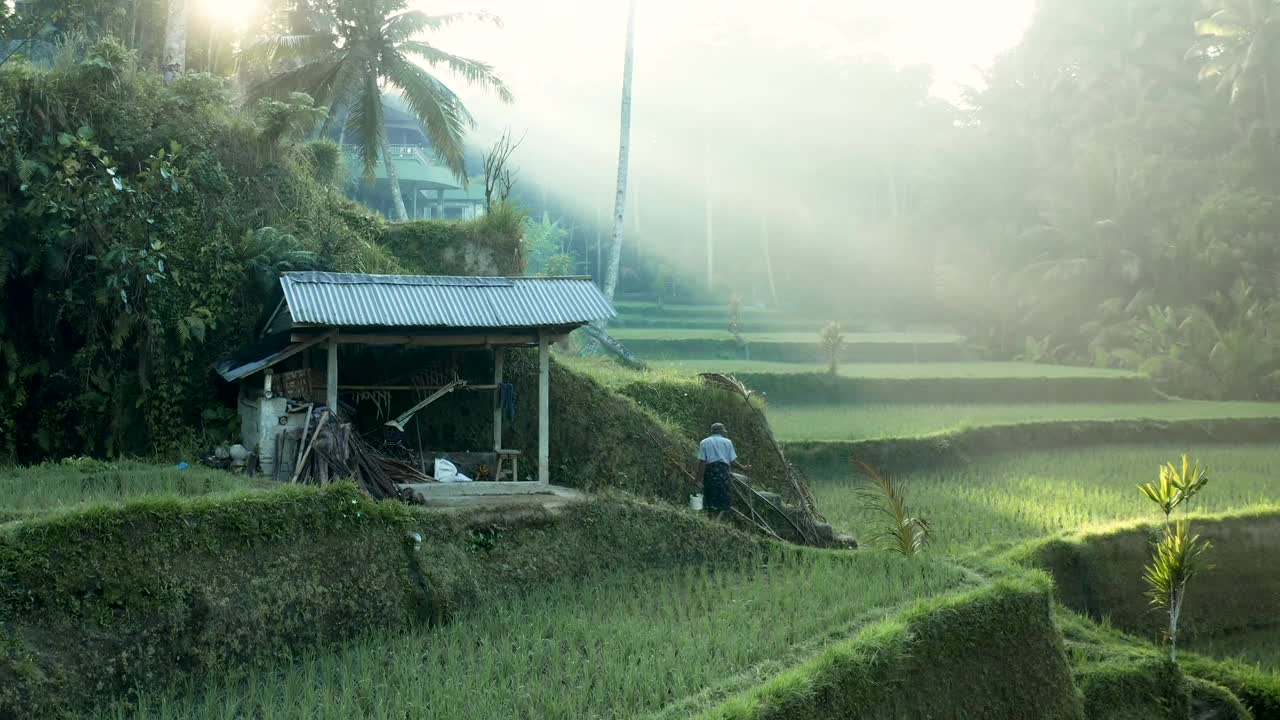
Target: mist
805 129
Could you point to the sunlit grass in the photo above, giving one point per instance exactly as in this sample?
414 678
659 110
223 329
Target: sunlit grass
894 371
616 647
1004 499
59 486
862 422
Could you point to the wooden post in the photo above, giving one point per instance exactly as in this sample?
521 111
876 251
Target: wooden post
498 356
544 405
331 386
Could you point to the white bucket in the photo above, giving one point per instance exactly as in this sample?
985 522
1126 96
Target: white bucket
695 502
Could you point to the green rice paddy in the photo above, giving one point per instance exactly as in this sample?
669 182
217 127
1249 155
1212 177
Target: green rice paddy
621 646
1001 500
865 422
904 338
894 371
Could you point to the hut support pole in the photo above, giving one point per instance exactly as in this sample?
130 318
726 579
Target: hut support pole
331 384
544 406
498 357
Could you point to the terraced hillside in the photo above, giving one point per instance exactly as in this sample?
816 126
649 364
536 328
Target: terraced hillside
994 454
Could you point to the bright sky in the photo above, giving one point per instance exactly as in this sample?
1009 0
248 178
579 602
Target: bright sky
956 38
558 36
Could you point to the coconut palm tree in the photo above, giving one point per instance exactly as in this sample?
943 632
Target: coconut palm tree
624 153
1237 46
363 48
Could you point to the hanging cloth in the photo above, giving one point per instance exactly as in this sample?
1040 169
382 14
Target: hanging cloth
507 400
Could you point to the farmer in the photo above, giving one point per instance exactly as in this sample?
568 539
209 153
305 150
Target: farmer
716 457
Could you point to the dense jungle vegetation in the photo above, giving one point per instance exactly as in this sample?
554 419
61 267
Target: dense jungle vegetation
142 225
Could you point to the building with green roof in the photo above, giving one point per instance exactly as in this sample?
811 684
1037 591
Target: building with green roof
429 189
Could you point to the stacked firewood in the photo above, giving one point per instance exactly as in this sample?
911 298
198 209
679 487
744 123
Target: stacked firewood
331 451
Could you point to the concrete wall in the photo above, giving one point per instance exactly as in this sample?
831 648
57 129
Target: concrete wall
262 419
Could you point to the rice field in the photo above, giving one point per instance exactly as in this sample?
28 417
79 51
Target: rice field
998 501
866 422
81 482
621 646
894 371
1259 648
905 338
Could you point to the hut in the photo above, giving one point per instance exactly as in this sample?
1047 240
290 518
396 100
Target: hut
290 378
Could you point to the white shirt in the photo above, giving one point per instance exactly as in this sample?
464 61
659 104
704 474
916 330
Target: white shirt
717 448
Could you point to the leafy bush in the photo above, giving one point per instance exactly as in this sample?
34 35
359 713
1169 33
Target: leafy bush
488 245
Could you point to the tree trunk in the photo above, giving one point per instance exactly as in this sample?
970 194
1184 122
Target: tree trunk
133 25
393 181
624 152
208 51
709 211
175 40
768 259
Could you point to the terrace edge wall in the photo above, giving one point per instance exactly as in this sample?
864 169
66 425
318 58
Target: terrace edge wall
96 603
797 352
993 652
1099 574
903 455
824 389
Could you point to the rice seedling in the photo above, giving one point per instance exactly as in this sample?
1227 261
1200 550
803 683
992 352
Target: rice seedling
1000 500
620 646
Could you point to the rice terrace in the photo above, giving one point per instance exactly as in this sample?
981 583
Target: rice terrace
716 360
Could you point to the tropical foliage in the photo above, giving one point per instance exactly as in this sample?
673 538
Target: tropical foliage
142 226
1176 555
358 50
1116 194
897 530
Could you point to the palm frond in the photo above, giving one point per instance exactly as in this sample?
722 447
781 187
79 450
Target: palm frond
365 121
902 533
316 78
288 48
473 71
438 109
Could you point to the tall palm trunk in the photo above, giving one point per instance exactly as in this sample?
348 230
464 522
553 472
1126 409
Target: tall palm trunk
393 180
624 152
709 212
175 40
768 259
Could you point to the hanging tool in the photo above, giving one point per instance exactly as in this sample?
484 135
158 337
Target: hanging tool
407 415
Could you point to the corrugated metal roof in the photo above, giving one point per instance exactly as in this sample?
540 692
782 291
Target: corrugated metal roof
356 300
